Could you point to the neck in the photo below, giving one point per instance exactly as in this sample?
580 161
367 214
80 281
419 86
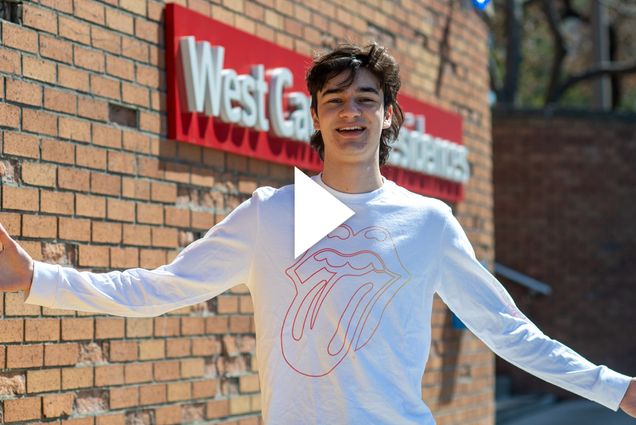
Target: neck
352 178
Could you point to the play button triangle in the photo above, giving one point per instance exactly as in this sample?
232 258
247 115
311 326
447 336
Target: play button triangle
316 212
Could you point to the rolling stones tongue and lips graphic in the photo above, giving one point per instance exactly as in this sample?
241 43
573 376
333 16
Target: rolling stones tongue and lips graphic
341 292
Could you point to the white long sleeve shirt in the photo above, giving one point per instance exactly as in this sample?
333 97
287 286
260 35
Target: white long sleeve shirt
344 331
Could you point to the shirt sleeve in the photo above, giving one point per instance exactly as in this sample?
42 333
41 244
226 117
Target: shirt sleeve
204 269
487 309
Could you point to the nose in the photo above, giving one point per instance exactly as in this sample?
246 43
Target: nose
350 109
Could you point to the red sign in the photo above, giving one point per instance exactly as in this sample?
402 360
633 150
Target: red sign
213 97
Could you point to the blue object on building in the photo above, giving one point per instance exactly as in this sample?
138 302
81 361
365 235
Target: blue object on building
481 4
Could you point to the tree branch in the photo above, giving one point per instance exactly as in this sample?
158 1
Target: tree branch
612 69
560 51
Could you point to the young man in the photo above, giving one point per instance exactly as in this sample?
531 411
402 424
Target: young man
343 332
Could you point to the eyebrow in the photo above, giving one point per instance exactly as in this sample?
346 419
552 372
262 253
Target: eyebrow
363 89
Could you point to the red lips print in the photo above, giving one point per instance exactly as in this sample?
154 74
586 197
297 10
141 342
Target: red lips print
341 293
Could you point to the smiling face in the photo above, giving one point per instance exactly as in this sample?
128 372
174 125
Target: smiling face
351 119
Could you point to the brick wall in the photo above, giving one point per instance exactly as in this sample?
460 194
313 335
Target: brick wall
565 205
89 180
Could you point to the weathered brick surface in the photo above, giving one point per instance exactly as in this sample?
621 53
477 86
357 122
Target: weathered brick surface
564 205
90 193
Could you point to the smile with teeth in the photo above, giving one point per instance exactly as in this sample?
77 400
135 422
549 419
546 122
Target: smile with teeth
350 130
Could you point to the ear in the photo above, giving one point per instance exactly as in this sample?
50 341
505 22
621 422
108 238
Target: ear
314 117
388 116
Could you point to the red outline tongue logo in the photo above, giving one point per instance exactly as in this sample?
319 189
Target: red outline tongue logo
341 294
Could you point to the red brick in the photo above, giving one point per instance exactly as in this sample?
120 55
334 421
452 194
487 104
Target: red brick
138 327
149 213
119 21
109 375
123 397
42 330
39 226
19 37
124 258
74 229
249 383
90 206
90 10
137 142
137 235
19 198
43 380
41 122
110 327
167 326
105 86
24 356
217 409
166 371
105 232
10 61
24 92
38 69
164 237
75 30
148 76
77 328
73 179
178 347
135 188
106 135
9 115
56 405
21 144
39 18
91 157
227 304
151 258
58 151
121 162
22 409
121 351
179 391
14 301
93 256
37 174
61 354
75 129
135 49
80 377
205 388
95 109
134 94
106 40
11 330
56 49
105 184
202 220
57 202
138 372
119 419
12 222
73 78
192 368
152 394
120 67
152 349
168 415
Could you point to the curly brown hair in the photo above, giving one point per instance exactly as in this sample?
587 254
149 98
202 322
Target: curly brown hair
351 57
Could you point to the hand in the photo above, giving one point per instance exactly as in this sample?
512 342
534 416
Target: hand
16 266
629 400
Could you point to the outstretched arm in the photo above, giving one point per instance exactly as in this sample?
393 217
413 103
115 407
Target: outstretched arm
629 401
16 266
483 304
204 269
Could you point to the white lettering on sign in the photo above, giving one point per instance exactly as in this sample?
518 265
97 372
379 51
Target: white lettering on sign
240 99
416 150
